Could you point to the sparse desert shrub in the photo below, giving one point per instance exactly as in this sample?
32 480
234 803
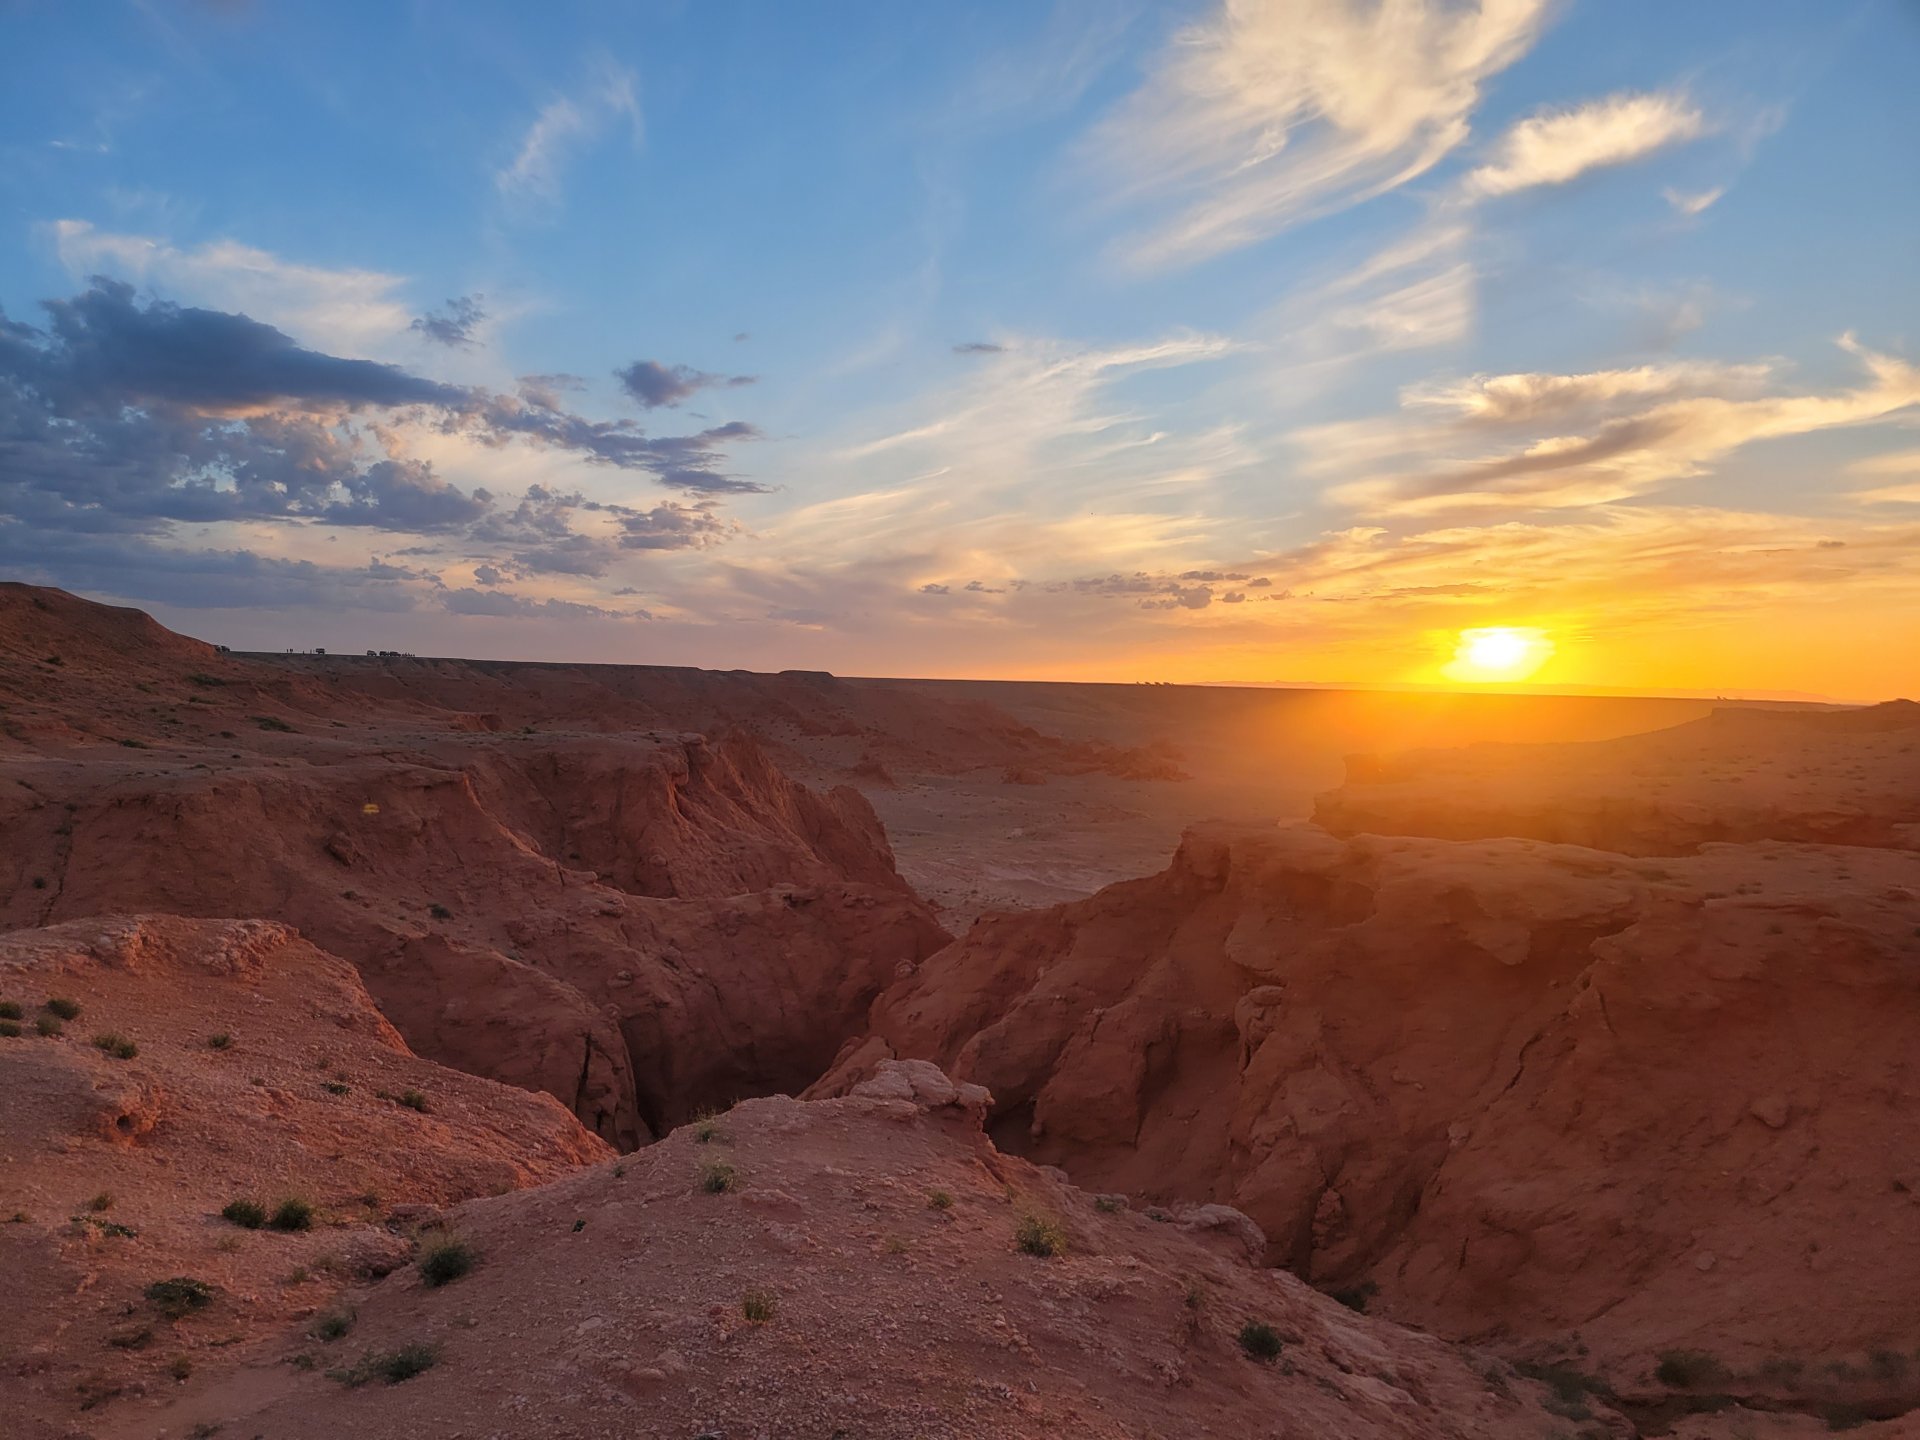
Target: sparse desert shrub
10 1010
1356 1297
49 1026
335 1087
1109 1204
940 1200
392 1367
180 1367
894 1245
439 911
717 1177
413 1100
1038 1236
9 1028
1685 1369
247 1214
205 1430
758 1306
113 1043
100 1202
133 1338
181 1295
446 1261
332 1325
272 722
292 1213
1570 1387
1260 1340
205 681
65 1009
219 1042
706 1127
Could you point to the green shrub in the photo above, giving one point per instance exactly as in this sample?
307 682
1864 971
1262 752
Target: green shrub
65 1009
392 1367
413 1100
1109 1204
1260 1340
247 1214
1037 1235
49 1026
292 1213
717 1177
10 1010
115 1044
940 1200
181 1295
9 1028
446 1261
758 1306
1684 1369
180 1367
332 1325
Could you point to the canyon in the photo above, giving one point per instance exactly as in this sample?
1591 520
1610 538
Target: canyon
1510 1065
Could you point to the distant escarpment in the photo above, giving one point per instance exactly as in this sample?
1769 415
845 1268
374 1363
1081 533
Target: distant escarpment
1840 777
1527 1092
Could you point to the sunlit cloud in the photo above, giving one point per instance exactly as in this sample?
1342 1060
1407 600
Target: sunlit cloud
1692 202
1560 145
1616 453
1270 112
346 311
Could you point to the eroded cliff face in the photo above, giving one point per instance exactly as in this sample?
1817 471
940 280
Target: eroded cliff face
639 927
642 922
1842 777
1524 1089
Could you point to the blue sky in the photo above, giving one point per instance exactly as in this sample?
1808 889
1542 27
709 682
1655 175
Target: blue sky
1199 341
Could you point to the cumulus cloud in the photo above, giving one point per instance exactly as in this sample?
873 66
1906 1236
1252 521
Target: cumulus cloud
1557 146
454 324
652 384
1273 111
608 95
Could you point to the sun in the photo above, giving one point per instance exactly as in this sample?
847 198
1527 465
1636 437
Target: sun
1499 652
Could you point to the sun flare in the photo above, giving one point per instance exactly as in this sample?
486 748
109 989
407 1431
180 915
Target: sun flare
1499 652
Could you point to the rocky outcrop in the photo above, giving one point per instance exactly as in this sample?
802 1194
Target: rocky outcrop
1525 1090
855 1267
188 1064
1838 777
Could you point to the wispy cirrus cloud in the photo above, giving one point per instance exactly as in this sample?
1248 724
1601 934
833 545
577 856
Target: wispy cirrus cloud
1576 440
1273 111
608 95
1557 146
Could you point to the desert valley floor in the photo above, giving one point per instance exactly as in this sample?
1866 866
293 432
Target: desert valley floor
440 1048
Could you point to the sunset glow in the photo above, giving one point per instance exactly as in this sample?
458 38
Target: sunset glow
1499 652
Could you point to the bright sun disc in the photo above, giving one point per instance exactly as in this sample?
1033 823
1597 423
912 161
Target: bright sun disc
1499 652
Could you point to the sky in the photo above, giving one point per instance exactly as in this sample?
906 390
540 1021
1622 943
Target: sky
1570 344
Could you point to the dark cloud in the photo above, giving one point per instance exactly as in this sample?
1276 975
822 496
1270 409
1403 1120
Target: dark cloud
672 526
652 384
931 589
123 417
453 325
978 347
105 351
489 574
137 568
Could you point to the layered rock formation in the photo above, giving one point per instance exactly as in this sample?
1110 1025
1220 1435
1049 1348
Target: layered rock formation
858 1270
642 924
184 1066
1525 1090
